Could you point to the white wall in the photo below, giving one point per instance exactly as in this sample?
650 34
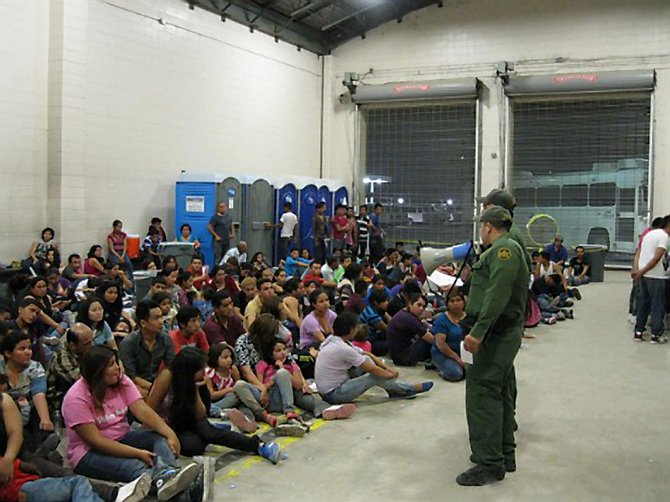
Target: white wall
132 102
468 38
23 128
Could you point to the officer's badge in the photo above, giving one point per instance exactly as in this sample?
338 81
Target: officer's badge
504 254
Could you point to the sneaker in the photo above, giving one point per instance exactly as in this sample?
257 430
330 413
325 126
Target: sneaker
338 411
173 480
637 337
135 490
424 387
569 314
568 303
576 294
480 475
560 316
240 420
659 339
549 320
270 451
294 430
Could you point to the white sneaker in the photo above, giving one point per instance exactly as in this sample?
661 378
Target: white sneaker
135 490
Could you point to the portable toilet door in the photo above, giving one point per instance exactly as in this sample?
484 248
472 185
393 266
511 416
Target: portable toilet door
309 196
287 193
195 204
259 210
341 196
325 195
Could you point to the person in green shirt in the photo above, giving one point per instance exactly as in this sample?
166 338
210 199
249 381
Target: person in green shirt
502 198
495 310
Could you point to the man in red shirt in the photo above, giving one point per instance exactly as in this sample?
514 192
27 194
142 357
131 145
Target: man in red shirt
199 272
341 226
189 333
223 325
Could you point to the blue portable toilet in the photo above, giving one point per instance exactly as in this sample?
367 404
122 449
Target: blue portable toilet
341 196
325 195
287 193
195 204
309 196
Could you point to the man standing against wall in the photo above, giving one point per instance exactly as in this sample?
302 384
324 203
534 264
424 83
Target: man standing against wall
496 310
649 271
222 230
319 232
288 223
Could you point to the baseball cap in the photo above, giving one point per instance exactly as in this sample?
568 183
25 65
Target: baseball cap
499 197
495 215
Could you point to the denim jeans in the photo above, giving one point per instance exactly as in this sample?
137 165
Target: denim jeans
60 490
447 367
281 393
230 400
101 466
283 247
574 280
356 386
250 397
651 301
545 303
127 264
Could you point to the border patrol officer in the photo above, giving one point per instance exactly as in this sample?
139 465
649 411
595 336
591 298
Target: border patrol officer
502 198
497 306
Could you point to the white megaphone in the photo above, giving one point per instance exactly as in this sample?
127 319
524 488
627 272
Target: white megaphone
431 258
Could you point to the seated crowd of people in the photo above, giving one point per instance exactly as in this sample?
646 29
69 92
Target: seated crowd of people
85 363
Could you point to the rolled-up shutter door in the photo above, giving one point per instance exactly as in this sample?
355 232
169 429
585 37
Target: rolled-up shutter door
579 152
416 91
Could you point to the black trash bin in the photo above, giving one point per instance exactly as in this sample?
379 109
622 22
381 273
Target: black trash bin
595 257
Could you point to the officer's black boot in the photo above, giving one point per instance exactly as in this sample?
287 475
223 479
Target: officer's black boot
481 475
510 463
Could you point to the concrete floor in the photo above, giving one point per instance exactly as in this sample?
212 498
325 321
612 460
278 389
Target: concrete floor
593 413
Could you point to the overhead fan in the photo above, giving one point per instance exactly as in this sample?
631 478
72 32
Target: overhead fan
541 229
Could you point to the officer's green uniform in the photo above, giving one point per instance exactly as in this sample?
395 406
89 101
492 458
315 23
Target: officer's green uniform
516 234
497 300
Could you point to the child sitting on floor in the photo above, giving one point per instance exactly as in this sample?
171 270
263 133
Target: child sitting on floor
221 375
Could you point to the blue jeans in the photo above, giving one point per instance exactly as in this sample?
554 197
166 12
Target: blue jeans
101 466
283 247
651 301
447 367
281 393
250 397
60 490
574 280
356 386
127 264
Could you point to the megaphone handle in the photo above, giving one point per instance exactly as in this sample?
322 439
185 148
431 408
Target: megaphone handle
460 270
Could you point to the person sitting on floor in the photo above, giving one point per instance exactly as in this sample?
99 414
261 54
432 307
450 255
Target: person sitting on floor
64 368
92 314
448 335
223 325
190 333
145 350
101 444
319 323
409 339
27 386
374 315
180 394
338 360
19 481
579 268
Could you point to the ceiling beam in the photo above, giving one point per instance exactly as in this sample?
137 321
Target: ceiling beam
268 21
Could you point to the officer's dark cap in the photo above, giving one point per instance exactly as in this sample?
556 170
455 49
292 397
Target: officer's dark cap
499 197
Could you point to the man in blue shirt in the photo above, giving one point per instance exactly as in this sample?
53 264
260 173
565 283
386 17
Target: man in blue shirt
557 253
376 234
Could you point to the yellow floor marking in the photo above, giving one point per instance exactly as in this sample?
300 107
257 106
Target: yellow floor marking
248 463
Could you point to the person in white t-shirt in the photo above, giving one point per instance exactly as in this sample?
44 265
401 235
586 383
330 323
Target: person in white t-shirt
288 223
239 252
339 359
649 270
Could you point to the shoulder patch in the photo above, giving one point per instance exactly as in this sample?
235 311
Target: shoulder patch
504 254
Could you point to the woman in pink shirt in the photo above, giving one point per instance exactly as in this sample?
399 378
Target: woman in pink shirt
101 444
